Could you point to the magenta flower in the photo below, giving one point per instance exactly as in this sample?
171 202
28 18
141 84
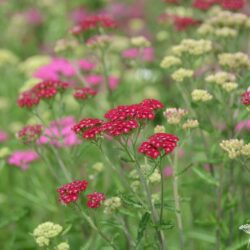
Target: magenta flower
3 136
54 70
243 125
22 159
133 53
168 171
60 133
86 65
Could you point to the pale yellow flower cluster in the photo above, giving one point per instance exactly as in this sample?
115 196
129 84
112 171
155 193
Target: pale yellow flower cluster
30 65
201 95
170 61
159 129
192 47
45 231
181 74
174 115
223 79
190 123
7 57
234 60
63 246
246 150
112 204
140 41
155 177
98 167
224 23
233 147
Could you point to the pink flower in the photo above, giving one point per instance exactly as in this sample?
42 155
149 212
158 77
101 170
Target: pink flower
95 80
22 158
133 53
54 70
243 125
86 65
3 136
34 17
168 171
60 133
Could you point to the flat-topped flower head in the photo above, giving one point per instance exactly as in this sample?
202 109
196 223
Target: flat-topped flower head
95 199
245 98
30 133
233 147
84 93
85 124
157 142
201 95
174 115
93 23
117 128
41 91
70 192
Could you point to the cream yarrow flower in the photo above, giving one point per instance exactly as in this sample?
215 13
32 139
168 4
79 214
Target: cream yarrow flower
234 60
155 177
47 229
246 150
233 147
190 123
229 86
42 241
7 57
225 32
220 77
140 41
174 115
192 47
98 167
181 74
159 129
63 246
169 61
201 95
112 204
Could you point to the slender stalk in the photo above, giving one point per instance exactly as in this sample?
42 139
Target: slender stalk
162 194
144 183
96 228
106 76
177 201
219 208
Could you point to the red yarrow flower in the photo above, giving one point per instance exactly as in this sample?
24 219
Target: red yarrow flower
43 90
245 98
85 124
95 199
30 133
70 192
204 4
92 23
156 142
84 93
233 4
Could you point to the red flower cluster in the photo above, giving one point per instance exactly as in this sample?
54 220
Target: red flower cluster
183 23
245 98
85 124
93 22
95 199
226 4
232 4
141 111
84 93
30 133
70 192
180 23
44 90
121 120
158 141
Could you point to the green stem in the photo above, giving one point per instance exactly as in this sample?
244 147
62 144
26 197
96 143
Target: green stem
95 227
162 194
177 201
